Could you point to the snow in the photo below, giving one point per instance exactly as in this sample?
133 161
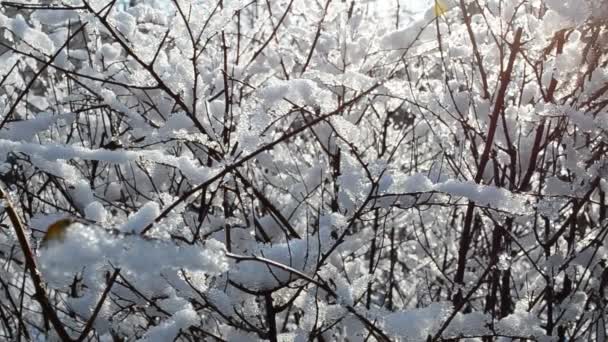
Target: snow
471 324
417 324
482 194
36 38
144 216
402 39
221 301
54 17
575 12
555 186
415 183
53 152
95 211
110 52
124 23
58 168
377 191
55 156
298 254
91 248
170 328
520 323
574 307
485 195
176 122
81 193
300 91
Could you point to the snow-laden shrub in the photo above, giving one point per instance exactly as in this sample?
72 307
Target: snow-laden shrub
300 170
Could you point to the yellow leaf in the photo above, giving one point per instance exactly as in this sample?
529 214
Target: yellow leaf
56 231
440 8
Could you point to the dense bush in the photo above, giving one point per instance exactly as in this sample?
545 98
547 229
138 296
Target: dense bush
304 170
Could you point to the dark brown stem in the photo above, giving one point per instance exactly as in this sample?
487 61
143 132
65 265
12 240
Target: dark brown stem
40 293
